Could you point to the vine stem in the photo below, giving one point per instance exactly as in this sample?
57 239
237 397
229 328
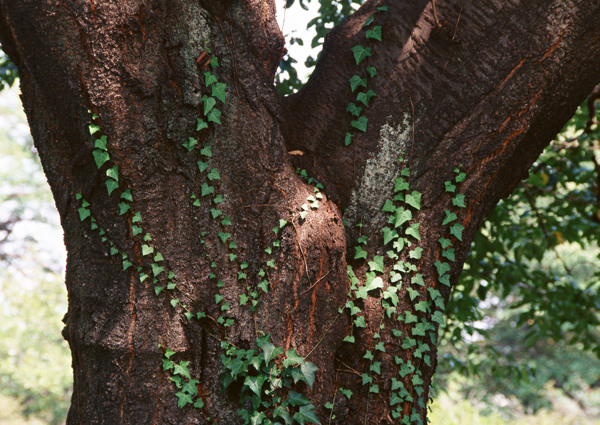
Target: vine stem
323 337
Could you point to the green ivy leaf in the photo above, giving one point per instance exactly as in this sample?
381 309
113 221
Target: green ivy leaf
182 369
209 78
417 279
306 414
224 236
450 187
201 124
360 124
214 116
123 207
412 293
456 229
401 216
441 267
445 243
147 249
353 109
356 82
449 254
365 98
459 200
137 218
292 358
101 143
113 172
218 91
372 71
190 143
348 139
206 189
414 199
209 103
422 306
206 151
450 217
377 264
111 186
100 157
214 175
388 235
375 33
308 370
359 322
361 53
156 269
84 213
460 177
416 253
401 185
360 253
93 128
413 231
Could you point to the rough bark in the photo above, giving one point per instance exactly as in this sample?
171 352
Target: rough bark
486 89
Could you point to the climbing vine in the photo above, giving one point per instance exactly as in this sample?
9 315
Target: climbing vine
268 377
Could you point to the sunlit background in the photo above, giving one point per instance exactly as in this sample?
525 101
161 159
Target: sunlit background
35 374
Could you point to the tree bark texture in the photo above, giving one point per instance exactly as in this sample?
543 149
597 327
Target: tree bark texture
482 86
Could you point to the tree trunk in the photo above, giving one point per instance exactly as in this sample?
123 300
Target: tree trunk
477 88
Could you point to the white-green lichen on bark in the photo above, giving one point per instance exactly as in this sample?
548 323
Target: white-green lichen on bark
377 182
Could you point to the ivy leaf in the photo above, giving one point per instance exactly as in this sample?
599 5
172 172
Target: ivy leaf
111 186
297 399
365 98
137 218
460 177
113 172
410 318
459 200
417 279
94 128
438 317
224 236
101 143
209 78
360 253
360 124
359 322
201 124
376 283
292 358
202 166
445 243
456 229
214 175
361 53
450 217
218 91
350 339
372 71
182 369
356 81
209 103
412 293
416 253
445 279
353 109
414 199
147 249
401 185
190 143
100 157
413 231
422 306
206 189
450 187
306 414
214 116
156 269
206 151
183 398
369 21
199 403
255 384
348 139
308 370
389 235
441 267
401 216
377 264
449 254
123 207
375 33
84 213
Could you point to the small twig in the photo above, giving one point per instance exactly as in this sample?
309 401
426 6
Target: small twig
301 251
321 278
323 337
435 17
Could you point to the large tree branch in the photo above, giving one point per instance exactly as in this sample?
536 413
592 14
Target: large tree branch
494 82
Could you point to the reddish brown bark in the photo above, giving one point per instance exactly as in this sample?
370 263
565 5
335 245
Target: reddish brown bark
488 90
